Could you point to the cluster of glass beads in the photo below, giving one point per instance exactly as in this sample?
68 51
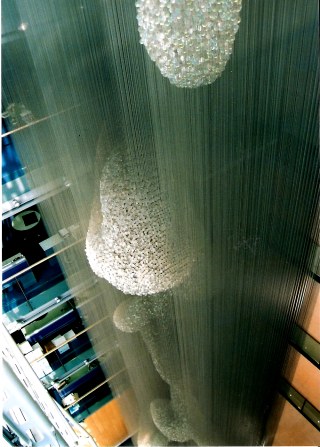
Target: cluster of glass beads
139 313
189 40
152 317
127 241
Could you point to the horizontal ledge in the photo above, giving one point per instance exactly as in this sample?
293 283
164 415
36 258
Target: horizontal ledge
27 269
40 120
95 388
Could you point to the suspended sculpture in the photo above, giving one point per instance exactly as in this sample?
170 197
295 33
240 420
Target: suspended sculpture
128 244
190 41
129 239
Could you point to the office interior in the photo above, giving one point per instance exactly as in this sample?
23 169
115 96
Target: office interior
230 354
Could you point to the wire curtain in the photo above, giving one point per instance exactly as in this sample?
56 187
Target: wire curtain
233 169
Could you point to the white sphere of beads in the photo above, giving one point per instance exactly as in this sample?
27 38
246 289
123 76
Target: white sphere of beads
189 40
128 241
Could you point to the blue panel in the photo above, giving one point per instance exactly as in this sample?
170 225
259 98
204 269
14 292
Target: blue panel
11 165
89 380
14 267
58 326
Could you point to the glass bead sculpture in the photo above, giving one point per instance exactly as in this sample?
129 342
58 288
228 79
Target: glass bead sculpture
189 40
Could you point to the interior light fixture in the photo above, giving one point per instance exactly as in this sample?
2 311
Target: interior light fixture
23 26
